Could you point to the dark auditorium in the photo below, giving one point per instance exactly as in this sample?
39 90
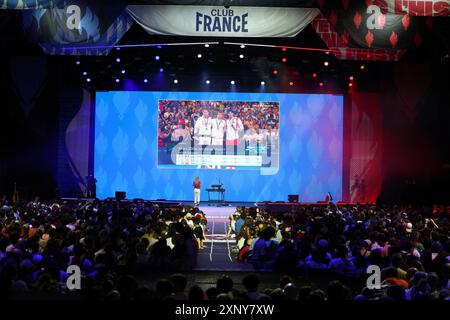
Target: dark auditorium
241 154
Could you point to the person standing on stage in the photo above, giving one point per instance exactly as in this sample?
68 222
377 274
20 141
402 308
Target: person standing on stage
202 129
218 130
196 185
234 126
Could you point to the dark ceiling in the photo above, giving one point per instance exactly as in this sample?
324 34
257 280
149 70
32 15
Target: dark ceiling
220 63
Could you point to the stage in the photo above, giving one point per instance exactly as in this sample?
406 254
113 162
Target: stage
218 255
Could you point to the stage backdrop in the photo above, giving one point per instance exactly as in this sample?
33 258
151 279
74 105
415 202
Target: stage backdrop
133 130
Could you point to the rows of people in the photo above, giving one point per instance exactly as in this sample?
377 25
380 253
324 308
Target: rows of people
109 239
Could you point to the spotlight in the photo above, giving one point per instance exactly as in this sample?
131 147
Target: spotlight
350 84
206 45
242 46
84 73
199 55
123 71
117 80
291 83
263 83
161 70
232 82
88 79
321 84
157 57
118 60
241 56
362 67
314 75
145 80
275 71
351 78
77 62
326 63
284 60
208 82
175 81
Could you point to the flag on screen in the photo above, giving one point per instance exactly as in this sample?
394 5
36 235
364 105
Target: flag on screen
328 198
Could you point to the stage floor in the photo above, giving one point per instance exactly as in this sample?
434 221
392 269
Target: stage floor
218 255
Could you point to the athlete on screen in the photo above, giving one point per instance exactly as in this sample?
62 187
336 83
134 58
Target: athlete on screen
218 131
233 127
203 128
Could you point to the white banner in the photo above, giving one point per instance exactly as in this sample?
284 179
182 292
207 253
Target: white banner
221 22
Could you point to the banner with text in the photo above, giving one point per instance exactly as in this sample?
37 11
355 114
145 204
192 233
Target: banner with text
424 8
222 22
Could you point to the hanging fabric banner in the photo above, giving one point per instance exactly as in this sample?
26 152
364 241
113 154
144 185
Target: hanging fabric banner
422 8
77 29
234 3
221 21
30 4
360 30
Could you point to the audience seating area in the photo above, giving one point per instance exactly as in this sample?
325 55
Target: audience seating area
117 243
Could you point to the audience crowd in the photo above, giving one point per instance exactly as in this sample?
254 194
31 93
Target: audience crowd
112 242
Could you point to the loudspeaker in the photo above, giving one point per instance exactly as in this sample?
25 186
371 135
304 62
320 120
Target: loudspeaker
293 198
120 195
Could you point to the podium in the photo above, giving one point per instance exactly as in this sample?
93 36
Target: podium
216 188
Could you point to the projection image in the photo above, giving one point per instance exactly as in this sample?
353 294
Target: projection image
217 134
259 146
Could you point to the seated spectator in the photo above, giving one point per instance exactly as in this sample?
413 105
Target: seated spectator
341 264
319 257
224 284
196 294
179 283
337 291
251 283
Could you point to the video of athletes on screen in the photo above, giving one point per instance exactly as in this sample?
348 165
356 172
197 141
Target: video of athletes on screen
218 134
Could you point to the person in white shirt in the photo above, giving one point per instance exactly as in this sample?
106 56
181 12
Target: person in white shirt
179 133
234 127
218 130
203 129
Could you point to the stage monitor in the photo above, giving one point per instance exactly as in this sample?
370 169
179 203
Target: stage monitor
120 195
260 146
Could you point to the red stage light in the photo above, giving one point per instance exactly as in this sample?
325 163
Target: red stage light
321 84
350 84
275 71
351 78
284 49
284 59
291 83
362 67
314 75
326 63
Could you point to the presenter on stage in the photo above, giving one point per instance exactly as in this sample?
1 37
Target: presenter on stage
196 185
